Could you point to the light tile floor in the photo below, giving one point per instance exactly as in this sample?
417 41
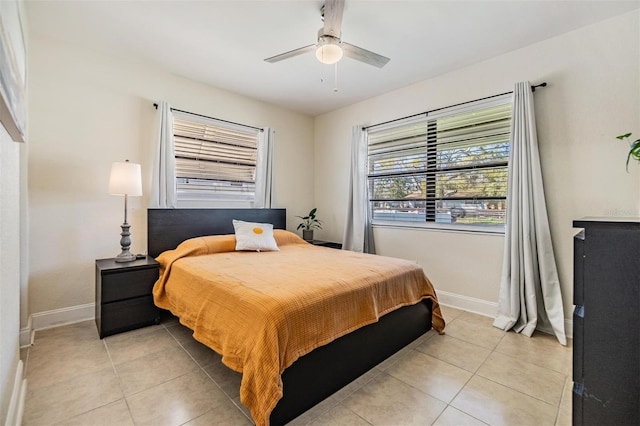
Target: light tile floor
475 374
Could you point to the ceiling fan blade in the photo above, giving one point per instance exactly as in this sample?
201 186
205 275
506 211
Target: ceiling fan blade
333 17
364 55
291 53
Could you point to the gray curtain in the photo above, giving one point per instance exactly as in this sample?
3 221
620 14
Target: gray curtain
163 183
530 289
358 232
264 169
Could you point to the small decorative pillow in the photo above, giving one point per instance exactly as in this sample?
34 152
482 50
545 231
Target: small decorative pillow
254 236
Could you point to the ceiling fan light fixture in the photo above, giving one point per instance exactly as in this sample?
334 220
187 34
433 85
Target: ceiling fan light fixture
329 50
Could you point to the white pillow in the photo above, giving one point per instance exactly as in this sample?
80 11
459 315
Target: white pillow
254 236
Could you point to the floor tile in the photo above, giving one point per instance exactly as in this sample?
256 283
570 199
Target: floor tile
475 330
227 414
564 410
160 375
116 413
386 400
499 405
242 407
177 401
227 379
430 375
339 415
153 369
202 354
540 349
138 343
454 417
449 313
180 332
68 334
476 318
49 364
314 412
66 399
538 382
455 351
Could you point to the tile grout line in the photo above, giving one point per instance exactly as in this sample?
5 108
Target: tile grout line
206 374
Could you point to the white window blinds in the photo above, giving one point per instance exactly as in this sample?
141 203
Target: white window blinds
449 167
214 159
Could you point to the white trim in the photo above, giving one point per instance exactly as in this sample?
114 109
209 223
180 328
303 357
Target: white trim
466 303
16 404
58 317
444 227
488 309
26 334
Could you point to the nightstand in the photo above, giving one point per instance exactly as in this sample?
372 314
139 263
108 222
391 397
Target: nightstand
326 244
123 295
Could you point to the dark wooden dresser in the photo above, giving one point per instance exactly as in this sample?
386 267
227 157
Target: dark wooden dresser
606 322
123 295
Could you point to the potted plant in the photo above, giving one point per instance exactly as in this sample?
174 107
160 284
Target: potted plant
634 148
308 224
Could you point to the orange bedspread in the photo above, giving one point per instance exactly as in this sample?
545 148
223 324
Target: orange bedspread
262 311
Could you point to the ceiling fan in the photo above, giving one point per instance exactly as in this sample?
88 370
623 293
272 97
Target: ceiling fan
330 48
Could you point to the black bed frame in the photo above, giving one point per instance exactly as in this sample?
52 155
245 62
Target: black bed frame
325 370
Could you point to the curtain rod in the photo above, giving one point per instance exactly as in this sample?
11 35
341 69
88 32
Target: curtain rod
213 118
533 89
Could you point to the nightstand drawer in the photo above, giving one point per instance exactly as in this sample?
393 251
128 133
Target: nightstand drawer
128 315
135 283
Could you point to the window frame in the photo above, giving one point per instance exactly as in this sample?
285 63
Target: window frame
211 197
430 170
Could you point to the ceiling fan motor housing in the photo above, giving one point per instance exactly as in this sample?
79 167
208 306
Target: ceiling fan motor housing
329 50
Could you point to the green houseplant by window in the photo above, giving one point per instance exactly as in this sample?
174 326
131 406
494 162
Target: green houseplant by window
308 224
634 148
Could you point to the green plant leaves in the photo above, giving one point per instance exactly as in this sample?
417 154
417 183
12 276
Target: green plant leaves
634 152
310 221
634 148
623 136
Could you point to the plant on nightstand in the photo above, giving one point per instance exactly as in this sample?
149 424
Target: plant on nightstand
308 224
634 148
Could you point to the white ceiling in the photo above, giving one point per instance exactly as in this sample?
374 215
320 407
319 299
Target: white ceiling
223 43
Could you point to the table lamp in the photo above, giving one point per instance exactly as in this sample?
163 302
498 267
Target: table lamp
126 179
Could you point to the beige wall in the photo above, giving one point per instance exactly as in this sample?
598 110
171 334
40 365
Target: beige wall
593 96
88 110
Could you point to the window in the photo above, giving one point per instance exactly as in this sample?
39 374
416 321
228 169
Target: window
447 168
215 160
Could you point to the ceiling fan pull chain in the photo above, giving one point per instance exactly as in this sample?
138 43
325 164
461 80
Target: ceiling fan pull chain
335 75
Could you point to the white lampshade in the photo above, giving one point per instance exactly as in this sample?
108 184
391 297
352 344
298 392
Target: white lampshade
329 53
126 179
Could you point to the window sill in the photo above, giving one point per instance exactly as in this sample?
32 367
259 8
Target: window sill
441 227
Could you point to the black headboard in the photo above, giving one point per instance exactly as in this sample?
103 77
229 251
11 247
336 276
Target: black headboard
166 228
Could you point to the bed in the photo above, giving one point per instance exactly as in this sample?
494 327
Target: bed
309 371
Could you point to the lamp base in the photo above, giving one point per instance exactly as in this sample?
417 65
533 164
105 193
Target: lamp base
125 242
125 257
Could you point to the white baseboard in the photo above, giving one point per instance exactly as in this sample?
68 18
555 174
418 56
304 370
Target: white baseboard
486 308
16 404
26 334
466 303
58 317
